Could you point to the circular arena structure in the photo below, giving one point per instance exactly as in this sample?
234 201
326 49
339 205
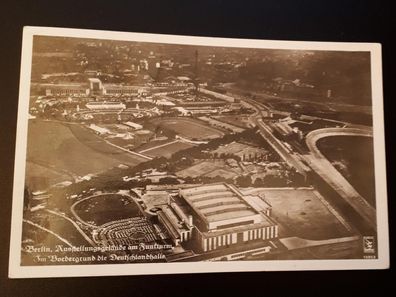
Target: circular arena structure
125 114
115 219
126 232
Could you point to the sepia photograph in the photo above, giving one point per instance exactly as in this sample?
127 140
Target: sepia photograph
145 154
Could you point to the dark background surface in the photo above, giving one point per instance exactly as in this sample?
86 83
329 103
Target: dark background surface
357 21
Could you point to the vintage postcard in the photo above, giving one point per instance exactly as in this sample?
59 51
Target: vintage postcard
150 154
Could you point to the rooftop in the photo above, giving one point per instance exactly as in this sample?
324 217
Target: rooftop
219 205
64 85
96 80
175 224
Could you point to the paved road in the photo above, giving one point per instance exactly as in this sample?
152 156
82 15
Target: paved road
315 135
319 163
290 157
316 161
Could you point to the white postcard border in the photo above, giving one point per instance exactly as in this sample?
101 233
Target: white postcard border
18 271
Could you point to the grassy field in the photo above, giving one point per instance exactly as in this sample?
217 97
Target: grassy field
199 169
189 128
40 238
124 143
223 172
71 150
40 177
240 149
354 159
209 168
236 120
151 144
106 208
167 150
301 213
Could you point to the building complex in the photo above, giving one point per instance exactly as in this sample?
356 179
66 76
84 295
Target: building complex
217 216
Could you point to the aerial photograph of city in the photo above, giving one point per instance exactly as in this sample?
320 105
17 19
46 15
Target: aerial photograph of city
144 152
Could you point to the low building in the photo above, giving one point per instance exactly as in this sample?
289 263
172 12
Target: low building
92 87
217 95
164 102
65 89
118 90
176 222
133 125
95 86
99 130
143 136
105 105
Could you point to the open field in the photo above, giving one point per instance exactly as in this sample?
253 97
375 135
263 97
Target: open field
71 149
166 150
101 209
348 249
241 150
189 128
151 144
236 120
300 213
119 141
57 224
209 168
40 177
90 139
224 125
353 157
223 172
45 229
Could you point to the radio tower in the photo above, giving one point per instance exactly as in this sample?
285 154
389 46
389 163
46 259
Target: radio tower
196 83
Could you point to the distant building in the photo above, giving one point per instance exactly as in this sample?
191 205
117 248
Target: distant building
119 90
133 125
95 86
65 89
200 110
184 78
92 72
103 105
164 102
282 128
143 136
98 130
217 95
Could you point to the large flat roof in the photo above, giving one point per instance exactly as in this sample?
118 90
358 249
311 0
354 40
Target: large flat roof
64 85
94 79
219 203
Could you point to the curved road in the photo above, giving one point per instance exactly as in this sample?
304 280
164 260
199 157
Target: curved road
319 163
315 135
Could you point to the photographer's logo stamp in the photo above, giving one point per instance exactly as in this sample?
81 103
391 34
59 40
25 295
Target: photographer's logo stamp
368 245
